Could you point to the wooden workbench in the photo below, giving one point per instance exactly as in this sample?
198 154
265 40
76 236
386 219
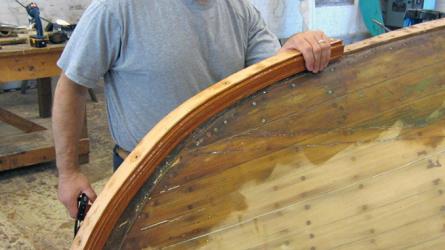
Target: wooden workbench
35 143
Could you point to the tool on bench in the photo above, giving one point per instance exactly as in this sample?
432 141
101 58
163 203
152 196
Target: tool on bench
39 40
9 34
60 31
82 207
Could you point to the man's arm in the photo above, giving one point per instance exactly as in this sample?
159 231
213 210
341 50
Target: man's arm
68 119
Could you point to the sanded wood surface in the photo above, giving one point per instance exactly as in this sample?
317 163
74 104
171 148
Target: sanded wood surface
347 159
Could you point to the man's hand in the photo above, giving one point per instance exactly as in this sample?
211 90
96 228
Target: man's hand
70 187
315 47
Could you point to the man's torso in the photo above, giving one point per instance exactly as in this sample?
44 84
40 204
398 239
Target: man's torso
169 51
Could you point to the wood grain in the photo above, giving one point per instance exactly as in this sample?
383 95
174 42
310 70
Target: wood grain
296 165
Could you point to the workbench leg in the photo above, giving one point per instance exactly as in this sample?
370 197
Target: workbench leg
45 97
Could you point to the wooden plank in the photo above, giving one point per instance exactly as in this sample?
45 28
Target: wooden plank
337 116
19 122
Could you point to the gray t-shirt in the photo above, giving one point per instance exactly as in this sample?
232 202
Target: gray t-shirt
156 54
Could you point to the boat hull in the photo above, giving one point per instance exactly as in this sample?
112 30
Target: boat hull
347 159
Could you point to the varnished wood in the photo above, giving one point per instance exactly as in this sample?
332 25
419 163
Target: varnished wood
347 159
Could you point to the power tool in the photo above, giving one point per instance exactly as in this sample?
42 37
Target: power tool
39 40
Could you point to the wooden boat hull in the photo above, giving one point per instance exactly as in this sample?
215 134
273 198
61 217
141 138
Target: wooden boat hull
347 159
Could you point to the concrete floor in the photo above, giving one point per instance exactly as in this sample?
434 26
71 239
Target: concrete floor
31 217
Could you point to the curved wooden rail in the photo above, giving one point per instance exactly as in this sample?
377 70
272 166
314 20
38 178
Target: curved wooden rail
167 134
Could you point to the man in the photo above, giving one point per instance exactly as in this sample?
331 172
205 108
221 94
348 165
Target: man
153 56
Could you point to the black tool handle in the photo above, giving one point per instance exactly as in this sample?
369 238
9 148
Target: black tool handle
82 206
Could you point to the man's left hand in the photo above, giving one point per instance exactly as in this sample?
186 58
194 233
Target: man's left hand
315 47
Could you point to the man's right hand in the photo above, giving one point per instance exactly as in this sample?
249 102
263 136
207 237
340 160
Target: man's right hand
70 187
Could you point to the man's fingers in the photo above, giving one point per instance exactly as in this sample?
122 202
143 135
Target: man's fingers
69 201
308 54
298 42
72 208
316 48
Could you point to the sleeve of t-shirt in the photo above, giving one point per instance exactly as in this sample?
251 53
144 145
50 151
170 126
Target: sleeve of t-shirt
262 43
93 47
